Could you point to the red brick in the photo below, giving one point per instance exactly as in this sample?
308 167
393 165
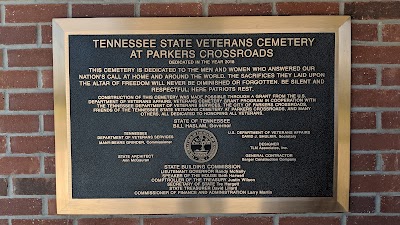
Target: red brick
52 206
20 206
372 10
19 165
48 122
364 32
18 79
47 78
34 186
109 10
391 162
362 204
391 120
49 165
42 222
35 13
375 141
34 144
12 35
1 57
363 162
363 76
375 183
31 102
3 187
3 144
30 57
4 222
391 76
174 221
19 123
309 220
375 98
391 32
2 101
390 204
241 220
376 54
47 34
240 9
307 8
373 220
170 9
109 221
363 120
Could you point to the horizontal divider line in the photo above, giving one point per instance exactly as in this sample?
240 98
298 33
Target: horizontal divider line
375 152
375 87
375 44
37 68
373 66
27 90
374 109
22 176
361 173
375 131
25 113
26 46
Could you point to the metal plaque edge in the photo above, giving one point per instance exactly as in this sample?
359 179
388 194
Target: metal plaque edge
340 25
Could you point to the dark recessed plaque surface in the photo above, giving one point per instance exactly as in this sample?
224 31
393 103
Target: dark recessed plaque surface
158 117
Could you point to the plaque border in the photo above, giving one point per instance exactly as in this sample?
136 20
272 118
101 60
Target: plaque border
340 25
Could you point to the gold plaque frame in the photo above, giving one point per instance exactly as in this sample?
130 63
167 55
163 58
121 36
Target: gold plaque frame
340 25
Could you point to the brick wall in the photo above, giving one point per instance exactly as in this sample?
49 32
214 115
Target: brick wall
27 179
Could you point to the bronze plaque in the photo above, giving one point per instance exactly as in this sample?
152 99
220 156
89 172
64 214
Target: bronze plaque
204 115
